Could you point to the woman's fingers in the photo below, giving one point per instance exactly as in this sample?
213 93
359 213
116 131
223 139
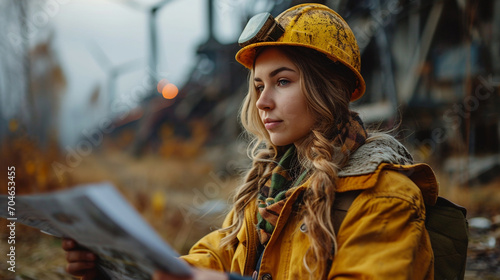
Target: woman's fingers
81 262
68 244
81 268
75 253
80 256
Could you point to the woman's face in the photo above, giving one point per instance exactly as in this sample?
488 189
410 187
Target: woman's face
281 102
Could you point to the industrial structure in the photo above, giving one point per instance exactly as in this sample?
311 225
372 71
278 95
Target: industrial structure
431 68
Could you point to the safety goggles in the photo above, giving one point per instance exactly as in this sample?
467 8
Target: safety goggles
260 28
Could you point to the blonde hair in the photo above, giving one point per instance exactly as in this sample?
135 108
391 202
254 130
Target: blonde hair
327 86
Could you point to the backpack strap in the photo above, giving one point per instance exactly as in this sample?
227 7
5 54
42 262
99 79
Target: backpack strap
342 203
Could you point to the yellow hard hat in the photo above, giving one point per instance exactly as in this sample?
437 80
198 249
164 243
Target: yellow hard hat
313 26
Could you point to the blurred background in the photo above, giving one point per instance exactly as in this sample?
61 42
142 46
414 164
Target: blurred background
145 94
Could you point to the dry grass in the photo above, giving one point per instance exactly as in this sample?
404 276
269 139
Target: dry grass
479 200
167 192
38 256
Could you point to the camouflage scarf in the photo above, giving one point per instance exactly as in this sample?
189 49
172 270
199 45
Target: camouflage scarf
285 176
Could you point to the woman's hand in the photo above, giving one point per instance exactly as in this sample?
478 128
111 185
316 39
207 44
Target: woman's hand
81 262
198 274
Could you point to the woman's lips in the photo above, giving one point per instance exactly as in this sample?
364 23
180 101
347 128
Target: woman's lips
271 124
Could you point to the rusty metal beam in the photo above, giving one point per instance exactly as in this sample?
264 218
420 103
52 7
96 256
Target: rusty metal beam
407 88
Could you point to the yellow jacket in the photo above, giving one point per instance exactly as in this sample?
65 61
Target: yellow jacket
383 235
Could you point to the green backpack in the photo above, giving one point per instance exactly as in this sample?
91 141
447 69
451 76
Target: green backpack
448 230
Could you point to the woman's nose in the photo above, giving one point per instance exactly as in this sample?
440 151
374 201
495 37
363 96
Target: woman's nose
265 101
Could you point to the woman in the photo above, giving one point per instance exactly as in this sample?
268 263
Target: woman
313 160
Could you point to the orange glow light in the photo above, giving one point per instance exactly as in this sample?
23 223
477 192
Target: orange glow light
170 91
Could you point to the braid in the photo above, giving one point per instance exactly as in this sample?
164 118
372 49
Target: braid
258 174
319 153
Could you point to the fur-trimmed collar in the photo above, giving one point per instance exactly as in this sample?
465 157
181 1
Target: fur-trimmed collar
378 148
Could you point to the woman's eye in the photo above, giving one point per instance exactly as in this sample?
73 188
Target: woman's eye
283 82
259 88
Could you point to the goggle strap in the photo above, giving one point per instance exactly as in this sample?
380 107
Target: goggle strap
275 32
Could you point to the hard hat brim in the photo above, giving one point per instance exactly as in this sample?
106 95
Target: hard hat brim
246 57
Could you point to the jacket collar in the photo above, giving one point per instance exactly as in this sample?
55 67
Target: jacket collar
383 152
378 149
